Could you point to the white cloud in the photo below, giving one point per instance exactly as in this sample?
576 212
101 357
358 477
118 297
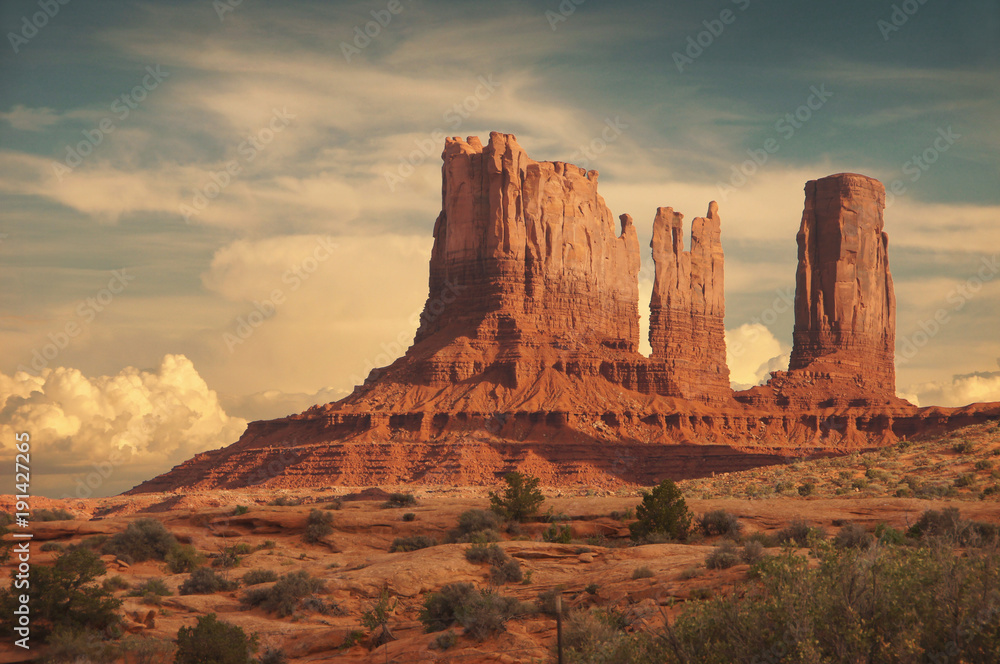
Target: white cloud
30 119
961 390
102 435
752 353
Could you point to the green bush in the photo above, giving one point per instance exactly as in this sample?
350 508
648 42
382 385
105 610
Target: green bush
886 534
507 572
57 514
114 583
557 534
214 641
486 614
591 589
319 524
475 521
853 536
71 646
285 501
486 553
205 581
64 596
397 500
520 499
752 552
273 656
151 587
799 533
334 504
663 511
284 596
240 510
720 522
51 546
409 516
439 610
642 573
184 558
984 464
143 539
724 556
806 488
964 447
256 577
445 641
965 479
412 543
231 556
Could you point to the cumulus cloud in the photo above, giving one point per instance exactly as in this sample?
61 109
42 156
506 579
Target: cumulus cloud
95 436
752 353
961 390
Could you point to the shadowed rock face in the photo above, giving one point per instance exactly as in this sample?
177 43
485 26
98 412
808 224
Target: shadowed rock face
526 356
845 309
687 311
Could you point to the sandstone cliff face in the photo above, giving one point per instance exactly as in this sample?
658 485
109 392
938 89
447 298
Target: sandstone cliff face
526 256
687 310
845 309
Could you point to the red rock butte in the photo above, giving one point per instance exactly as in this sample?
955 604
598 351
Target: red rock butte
527 358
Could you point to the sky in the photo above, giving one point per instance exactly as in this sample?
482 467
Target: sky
221 211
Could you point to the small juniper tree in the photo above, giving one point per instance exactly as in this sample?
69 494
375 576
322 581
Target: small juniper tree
520 499
662 511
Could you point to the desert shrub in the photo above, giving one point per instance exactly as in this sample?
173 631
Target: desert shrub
965 479
853 536
146 650
316 604
764 539
752 552
409 516
184 558
486 614
720 522
475 521
273 656
878 475
240 510
783 486
507 572
94 542
595 637
319 524
947 523
964 447
445 641
51 546
231 556
205 581
545 602
151 587
690 573
57 514
397 500
806 488
886 534
984 464
255 577
72 646
285 501
143 539
664 511
334 504
284 596
591 589
641 573
439 610
378 612
114 583
723 556
412 543
799 532
557 534
64 596
486 553
520 499
215 641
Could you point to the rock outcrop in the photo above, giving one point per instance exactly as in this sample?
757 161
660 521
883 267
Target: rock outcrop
687 311
526 355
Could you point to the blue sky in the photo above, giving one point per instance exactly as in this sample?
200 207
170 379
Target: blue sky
300 153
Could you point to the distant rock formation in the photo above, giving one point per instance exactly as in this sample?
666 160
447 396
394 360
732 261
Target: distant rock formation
687 311
526 355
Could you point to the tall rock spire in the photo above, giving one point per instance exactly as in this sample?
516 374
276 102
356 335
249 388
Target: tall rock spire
687 310
845 309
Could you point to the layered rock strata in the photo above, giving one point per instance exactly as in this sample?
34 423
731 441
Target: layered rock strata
687 310
526 355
